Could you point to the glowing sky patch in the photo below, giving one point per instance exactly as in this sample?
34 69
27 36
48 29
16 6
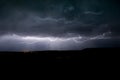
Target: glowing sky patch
76 39
47 43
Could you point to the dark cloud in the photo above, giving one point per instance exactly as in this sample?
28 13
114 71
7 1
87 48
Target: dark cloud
59 18
29 23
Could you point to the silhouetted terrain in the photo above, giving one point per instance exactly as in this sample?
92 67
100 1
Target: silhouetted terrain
86 55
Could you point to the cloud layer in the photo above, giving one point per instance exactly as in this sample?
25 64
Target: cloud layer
69 20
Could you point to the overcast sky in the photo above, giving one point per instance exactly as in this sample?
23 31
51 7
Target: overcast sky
97 22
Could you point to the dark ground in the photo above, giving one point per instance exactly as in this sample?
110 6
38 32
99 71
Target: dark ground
86 55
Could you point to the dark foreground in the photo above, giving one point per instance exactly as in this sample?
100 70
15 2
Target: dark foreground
87 55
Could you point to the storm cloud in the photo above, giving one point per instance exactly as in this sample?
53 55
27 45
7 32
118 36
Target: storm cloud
64 19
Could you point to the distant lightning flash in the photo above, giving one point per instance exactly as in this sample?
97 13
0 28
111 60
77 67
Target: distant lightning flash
50 43
47 39
33 39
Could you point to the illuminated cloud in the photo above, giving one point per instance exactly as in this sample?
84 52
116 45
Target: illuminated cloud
21 42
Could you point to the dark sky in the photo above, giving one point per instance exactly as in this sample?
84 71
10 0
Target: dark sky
62 19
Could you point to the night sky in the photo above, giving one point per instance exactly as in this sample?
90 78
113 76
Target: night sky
59 24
